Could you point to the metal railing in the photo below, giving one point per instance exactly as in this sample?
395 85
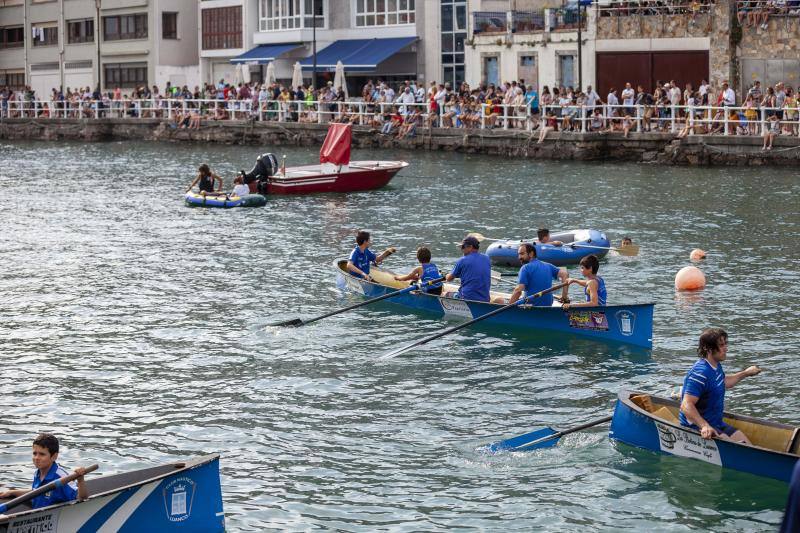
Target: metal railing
672 119
489 22
617 8
527 21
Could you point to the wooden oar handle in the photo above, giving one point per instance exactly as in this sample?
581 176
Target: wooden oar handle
546 291
60 482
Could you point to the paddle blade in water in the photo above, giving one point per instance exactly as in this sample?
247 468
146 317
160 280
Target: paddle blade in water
293 323
629 250
518 443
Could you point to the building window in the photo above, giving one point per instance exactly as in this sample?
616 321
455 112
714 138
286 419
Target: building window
125 74
290 14
12 80
125 27
222 28
454 33
80 31
12 37
169 25
44 36
384 12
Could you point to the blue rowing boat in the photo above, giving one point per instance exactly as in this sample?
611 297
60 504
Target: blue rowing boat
583 242
627 324
183 496
224 201
651 423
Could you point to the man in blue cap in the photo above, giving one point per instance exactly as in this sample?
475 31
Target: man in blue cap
474 270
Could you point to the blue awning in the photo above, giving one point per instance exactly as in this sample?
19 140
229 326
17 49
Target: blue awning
359 55
264 53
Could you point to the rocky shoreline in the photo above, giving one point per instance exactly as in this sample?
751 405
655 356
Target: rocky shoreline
660 148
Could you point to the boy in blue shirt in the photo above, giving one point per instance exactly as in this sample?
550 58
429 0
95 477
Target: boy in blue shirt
703 392
45 453
362 257
535 276
425 272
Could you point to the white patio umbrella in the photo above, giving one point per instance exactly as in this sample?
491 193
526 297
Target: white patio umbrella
297 76
245 72
339 80
270 78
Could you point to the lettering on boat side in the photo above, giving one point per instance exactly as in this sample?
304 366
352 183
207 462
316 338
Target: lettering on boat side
38 523
592 320
626 321
178 498
455 307
687 444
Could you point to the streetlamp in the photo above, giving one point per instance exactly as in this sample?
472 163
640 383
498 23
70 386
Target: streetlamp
314 45
97 45
581 12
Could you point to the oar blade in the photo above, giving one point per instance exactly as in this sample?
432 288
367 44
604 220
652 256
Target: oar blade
517 443
397 351
293 323
478 236
629 249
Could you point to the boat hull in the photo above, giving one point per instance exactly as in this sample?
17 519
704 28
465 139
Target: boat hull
358 176
637 427
224 201
177 499
627 324
504 253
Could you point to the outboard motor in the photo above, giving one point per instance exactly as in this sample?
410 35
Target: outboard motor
266 166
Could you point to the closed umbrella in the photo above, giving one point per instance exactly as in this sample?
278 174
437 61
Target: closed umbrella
339 80
270 79
297 76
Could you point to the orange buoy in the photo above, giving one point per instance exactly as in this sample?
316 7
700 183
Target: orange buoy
697 254
690 278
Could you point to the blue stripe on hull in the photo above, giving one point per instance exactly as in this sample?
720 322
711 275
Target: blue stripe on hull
637 429
628 324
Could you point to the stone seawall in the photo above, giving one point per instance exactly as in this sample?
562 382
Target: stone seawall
645 147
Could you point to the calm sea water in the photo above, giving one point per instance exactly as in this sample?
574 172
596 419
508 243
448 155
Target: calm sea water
136 328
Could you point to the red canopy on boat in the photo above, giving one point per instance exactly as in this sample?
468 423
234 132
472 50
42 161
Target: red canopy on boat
336 148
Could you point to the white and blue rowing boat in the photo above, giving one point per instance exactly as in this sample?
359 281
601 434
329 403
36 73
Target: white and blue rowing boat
628 324
183 496
651 423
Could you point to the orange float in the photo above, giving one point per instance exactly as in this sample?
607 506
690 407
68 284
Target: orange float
697 254
690 278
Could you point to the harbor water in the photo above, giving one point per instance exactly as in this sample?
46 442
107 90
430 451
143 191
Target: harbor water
136 329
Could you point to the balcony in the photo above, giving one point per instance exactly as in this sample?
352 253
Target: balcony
489 22
499 22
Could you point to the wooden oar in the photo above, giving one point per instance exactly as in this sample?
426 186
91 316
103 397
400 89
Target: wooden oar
629 249
297 322
60 482
482 238
542 438
407 347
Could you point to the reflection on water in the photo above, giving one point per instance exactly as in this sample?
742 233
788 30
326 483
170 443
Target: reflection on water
151 319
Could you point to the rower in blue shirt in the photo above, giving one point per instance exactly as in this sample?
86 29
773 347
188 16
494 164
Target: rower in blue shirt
703 393
535 276
594 287
362 257
425 272
474 270
45 453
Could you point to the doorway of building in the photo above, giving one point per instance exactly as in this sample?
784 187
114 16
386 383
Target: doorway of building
528 70
491 70
566 66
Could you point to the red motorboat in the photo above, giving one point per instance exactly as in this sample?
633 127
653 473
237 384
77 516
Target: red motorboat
334 173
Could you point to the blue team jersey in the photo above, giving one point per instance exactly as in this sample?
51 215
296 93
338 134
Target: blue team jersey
708 384
537 276
430 272
65 493
362 260
475 272
601 291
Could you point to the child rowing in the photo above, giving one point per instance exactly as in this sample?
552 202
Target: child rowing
425 272
594 287
362 257
45 453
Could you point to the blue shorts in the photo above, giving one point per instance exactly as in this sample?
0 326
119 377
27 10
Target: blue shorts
727 429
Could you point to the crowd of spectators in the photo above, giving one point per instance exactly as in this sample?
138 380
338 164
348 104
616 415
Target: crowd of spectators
756 13
401 109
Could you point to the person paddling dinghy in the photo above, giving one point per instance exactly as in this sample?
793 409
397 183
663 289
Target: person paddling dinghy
205 181
543 236
362 257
